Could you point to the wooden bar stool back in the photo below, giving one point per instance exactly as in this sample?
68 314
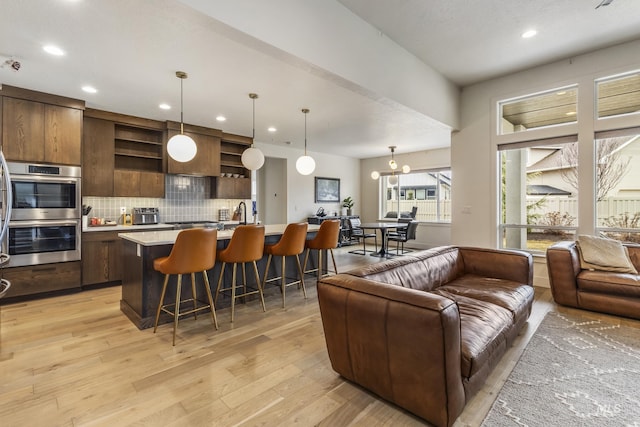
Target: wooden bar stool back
194 251
326 239
246 245
290 244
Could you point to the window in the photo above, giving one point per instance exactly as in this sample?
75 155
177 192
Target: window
618 95
428 191
558 106
539 194
618 184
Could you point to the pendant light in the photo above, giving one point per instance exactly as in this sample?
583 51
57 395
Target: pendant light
305 165
393 179
181 148
252 158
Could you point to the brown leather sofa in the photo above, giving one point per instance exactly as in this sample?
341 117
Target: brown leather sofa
602 291
425 330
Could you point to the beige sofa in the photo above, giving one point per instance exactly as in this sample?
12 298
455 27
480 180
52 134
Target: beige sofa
602 291
425 330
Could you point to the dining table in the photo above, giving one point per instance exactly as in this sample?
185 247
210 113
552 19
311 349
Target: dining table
384 228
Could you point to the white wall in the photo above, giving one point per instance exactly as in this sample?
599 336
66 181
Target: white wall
428 235
300 188
473 149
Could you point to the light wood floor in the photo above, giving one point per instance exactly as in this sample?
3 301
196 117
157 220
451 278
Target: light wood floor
76 360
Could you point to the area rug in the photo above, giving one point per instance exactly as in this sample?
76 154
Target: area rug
575 371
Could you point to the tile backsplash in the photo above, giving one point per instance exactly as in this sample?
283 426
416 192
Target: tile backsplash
186 199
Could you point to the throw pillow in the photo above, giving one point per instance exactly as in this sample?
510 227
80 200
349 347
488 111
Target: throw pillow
597 253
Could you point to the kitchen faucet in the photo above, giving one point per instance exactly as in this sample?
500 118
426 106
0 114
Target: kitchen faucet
243 220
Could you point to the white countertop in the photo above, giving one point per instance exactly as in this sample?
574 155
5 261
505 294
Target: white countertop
168 237
120 227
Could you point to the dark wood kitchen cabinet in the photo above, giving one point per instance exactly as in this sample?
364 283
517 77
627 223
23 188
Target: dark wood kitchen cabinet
41 128
97 157
37 279
131 183
207 159
226 187
101 257
123 155
231 188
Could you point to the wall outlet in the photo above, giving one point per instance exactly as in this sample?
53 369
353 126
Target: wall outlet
123 210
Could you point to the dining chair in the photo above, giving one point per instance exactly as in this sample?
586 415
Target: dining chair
359 234
404 235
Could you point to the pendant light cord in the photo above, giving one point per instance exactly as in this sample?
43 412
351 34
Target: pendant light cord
305 134
181 108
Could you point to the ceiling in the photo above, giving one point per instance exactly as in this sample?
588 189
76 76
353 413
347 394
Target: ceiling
130 50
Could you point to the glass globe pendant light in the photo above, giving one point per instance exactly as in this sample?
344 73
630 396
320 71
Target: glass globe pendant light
393 179
252 158
181 147
305 165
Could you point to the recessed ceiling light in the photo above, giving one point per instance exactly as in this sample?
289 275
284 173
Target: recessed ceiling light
164 106
221 118
571 113
89 89
563 92
271 129
528 34
53 50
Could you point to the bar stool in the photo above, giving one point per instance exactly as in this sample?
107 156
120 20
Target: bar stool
193 251
246 245
290 244
326 239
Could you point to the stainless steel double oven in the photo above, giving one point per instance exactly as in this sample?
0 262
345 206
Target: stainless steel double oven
45 225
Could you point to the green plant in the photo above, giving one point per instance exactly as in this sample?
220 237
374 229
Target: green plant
347 203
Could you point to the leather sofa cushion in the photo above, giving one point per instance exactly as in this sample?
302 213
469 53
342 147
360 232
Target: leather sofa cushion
424 270
507 294
621 284
483 329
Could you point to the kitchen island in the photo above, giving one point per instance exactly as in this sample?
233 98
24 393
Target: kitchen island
142 285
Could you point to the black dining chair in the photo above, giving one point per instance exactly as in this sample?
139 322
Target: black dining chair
358 234
404 235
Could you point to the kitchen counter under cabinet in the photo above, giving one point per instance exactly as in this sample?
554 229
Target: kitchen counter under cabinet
141 284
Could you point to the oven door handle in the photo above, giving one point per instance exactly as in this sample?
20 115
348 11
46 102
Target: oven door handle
43 223
48 179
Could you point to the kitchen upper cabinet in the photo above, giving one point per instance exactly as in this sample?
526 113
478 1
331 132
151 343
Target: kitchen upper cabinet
97 157
231 188
38 132
62 135
123 155
207 159
131 183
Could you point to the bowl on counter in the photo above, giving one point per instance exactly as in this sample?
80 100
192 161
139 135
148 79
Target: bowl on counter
236 175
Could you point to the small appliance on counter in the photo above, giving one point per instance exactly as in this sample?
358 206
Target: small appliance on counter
223 214
144 216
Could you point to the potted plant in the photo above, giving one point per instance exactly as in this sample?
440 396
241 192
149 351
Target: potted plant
348 204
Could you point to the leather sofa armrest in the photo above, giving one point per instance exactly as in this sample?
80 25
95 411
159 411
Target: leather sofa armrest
563 267
499 264
403 344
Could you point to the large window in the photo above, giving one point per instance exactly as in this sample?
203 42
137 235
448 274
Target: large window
539 194
618 184
427 191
